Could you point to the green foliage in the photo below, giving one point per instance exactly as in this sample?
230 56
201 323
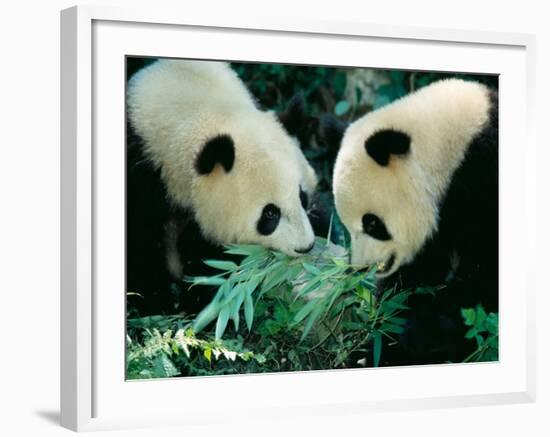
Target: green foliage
275 84
306 313
168 354
402 82
134 63
483 328
320 278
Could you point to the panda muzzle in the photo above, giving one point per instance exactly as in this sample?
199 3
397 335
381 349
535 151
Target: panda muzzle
386 266
306 249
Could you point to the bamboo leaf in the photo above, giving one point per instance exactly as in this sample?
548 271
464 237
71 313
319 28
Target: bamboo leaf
311 269
204 280
235 309
206 316
246 250
248 310
227 266
232 293
221 324
377 348
341 107
311 320
399 320
310 286
305 310
395 329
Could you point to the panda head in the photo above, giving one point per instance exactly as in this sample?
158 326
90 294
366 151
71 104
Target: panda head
382 201
395 165
252 184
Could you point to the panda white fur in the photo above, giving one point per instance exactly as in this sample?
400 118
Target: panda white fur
416 185
234 170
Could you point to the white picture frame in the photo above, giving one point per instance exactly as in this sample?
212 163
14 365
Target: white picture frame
94 41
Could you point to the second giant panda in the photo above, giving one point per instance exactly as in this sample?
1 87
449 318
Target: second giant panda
215 168
416 185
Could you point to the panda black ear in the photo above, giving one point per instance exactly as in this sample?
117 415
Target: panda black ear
331 131
293 118
218 150
381 145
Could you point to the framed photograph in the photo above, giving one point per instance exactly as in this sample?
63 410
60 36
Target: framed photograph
329 226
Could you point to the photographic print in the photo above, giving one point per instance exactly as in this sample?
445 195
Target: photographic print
285 218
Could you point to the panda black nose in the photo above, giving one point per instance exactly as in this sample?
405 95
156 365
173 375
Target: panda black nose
305 250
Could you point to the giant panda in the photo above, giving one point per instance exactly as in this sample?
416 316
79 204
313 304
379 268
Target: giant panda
206 167
416 185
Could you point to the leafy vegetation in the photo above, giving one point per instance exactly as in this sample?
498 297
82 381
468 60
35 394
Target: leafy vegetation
308 313
292 321
484 330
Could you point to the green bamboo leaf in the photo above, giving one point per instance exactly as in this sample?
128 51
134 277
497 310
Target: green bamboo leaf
312 285
246 250
292 273
341 107
395 329
274 278
353 282
311 320
252 284
305 310
233 293
311 269
331 272
235 309
392 305
228 266
336 292
248 310
205 280
207 315
398 320
236 320
377 351
401 297
221 324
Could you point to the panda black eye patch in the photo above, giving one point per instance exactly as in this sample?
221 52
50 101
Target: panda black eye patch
373 226
304 198
269 220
